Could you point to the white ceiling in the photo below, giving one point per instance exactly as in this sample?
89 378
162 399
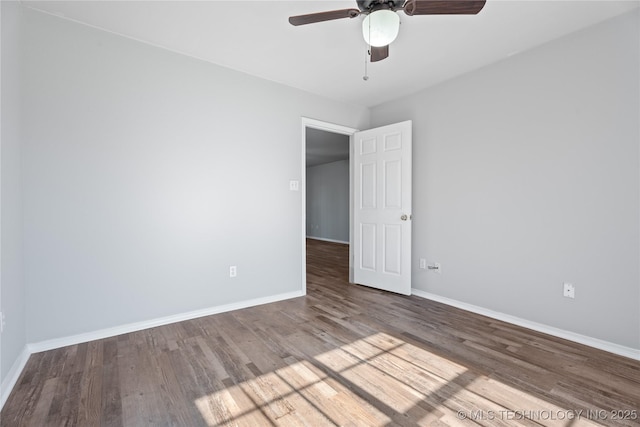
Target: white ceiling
328 58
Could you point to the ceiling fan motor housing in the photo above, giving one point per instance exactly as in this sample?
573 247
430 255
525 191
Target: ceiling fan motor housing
368 6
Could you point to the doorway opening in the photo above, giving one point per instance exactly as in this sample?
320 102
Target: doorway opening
327 184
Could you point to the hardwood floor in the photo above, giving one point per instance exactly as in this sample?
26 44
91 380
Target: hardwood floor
342 355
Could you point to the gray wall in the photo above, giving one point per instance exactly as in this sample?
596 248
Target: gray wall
11 277
147 174
526 175
328 201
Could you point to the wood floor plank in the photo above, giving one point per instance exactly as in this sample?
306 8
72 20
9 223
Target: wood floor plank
342 355
40 414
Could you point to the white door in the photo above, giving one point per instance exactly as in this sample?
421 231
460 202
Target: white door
382 211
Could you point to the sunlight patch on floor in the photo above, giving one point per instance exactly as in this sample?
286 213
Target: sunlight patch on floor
304 388
286 396
366 381
385 368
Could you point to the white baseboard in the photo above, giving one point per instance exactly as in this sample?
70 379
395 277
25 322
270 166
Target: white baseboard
328 240
618 349
12 376
138 326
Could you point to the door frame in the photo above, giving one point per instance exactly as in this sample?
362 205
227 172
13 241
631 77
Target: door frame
333 128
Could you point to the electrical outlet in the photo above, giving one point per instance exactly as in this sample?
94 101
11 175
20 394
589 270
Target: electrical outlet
233 271
294 185
423 263
569 291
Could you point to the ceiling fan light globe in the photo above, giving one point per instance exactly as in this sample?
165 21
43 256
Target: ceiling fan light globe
381 27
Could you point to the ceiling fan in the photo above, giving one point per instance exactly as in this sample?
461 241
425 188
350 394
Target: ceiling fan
382 23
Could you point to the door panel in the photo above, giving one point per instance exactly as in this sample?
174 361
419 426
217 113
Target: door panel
368 186
392 247
382 213
393 184
368 245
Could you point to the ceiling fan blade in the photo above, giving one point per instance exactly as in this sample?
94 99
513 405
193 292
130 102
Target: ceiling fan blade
379 53
443 7
323 16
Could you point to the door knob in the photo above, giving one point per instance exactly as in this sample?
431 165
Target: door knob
403 217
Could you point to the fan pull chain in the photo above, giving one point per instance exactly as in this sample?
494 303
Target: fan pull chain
366 75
